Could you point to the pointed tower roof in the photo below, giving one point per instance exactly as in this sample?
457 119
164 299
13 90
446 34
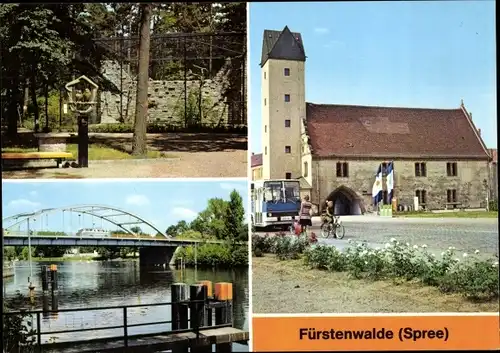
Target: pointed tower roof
284 45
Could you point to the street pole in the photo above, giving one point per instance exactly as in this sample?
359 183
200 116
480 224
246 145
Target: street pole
29 251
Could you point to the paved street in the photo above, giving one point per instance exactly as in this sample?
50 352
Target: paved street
466 235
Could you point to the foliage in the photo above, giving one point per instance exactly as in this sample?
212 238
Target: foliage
285 246
215 255
234 217
493 205
474 278
158 128
18 333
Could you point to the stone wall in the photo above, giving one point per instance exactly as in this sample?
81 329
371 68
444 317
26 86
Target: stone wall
469 182
493 181
165 98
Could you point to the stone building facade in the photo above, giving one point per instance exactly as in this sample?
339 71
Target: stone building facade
335 150
493 175
165 98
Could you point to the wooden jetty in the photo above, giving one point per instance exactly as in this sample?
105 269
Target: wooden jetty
201 316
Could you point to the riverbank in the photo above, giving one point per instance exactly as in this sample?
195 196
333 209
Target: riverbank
291 287
214 255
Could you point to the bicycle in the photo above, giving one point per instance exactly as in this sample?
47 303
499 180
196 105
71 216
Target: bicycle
335 228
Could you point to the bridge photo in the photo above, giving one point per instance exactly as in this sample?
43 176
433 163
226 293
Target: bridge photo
106 266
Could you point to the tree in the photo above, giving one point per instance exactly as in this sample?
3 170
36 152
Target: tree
234 217
141 108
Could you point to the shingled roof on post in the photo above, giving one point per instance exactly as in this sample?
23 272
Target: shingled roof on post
283 45
364 131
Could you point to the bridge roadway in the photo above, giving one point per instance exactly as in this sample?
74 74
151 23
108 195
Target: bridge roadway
65 240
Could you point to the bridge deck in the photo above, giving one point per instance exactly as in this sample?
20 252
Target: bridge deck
154 343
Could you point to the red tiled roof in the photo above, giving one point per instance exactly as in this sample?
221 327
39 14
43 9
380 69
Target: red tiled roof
344 130
493 154
256 160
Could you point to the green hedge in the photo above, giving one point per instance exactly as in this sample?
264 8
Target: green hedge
215 255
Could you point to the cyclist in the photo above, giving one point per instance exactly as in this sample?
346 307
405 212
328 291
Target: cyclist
328 216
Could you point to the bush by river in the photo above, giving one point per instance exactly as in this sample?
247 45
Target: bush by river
215 255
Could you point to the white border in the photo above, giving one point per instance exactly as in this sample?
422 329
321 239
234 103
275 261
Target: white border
370 314
128 180
249 181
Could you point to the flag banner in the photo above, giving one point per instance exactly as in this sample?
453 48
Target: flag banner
377 187
390 181
376 332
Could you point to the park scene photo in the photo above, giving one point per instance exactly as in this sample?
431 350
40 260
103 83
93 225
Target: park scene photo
108 90
147 264
374 157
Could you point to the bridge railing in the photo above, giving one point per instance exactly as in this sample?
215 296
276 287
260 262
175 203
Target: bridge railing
192 309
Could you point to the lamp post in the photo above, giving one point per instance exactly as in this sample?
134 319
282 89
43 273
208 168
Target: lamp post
31 287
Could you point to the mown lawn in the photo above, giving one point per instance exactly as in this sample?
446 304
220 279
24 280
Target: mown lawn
458 214
291 287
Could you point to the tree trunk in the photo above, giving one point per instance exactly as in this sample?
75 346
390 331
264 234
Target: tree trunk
12 112
36 109
141 107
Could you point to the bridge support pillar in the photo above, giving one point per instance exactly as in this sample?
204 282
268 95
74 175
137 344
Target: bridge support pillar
155 256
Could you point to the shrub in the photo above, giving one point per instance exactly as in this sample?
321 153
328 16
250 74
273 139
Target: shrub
473 278
214 255
493 205
159 128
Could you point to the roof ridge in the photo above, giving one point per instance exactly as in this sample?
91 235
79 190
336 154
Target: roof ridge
380 106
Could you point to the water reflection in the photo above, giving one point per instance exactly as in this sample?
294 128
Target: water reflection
97 284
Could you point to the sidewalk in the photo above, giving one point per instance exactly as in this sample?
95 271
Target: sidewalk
372 218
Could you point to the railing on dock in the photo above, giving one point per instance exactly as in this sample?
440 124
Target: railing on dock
199 309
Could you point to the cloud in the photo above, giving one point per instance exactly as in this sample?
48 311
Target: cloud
24 204
184 213
232 186
321 30
337 44
33 193
137 200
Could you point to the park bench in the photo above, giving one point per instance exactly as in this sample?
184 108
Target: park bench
58 156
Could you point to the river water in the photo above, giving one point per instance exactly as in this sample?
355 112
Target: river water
112 283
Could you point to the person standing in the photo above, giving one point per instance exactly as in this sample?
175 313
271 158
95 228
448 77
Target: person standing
305 214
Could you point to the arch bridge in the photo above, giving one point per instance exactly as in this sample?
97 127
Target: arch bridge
153 250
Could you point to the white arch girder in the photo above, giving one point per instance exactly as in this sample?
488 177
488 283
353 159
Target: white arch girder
84 209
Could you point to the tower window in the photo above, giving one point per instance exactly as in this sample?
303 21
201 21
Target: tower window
264 75
287 71
288 149
265 101
265 150
306 169
265 128
287 98
288 175
288 123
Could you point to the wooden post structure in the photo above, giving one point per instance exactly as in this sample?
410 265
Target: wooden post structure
83 140
45 279
198 299
53 277
223 314
208 310
179 295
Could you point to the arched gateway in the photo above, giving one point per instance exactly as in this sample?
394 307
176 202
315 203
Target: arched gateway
346 202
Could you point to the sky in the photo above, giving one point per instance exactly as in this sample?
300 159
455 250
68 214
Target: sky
161 203
407 54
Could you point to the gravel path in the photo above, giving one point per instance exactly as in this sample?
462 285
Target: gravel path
187 165
288 287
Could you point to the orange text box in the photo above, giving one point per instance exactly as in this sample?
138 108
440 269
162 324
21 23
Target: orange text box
375 333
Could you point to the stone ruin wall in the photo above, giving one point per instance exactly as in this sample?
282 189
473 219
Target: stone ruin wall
165 98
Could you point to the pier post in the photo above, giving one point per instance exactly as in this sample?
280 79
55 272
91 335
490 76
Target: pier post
45 306
208 310
179 309
223 313
53 277
198 301
45 279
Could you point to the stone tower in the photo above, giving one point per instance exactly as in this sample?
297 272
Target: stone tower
283 103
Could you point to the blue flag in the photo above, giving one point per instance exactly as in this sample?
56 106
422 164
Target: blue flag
377 187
